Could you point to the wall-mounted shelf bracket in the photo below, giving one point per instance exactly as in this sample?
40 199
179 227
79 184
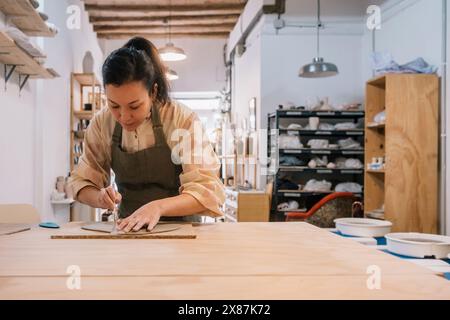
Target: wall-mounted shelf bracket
8 73
22 83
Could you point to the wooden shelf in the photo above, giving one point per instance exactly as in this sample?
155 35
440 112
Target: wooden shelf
25 17
88 86
86 79
376 171
379 81
375 215
11 54
83 115
374 125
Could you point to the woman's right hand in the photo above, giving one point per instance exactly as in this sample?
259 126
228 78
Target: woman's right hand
108 197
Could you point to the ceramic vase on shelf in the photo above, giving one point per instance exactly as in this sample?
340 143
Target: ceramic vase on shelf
60 184
88 62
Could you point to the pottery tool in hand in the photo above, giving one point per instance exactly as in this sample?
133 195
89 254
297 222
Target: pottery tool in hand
115 212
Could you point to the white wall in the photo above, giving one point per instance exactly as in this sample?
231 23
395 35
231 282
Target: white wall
36 135
246 77
16 139
284 54
404 37
203 70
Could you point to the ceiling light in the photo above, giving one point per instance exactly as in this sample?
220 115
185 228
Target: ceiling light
318 68
171 53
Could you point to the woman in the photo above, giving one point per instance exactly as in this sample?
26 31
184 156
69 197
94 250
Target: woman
134 137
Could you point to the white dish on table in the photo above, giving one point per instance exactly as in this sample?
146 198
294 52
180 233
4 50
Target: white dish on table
419 245
363 227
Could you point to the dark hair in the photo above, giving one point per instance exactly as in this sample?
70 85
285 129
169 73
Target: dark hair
137 60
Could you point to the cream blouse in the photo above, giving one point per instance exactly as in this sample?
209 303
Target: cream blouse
200 168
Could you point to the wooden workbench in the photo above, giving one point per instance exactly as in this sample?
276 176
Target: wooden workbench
226 261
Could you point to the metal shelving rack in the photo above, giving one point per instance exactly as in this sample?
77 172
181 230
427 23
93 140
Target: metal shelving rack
301 174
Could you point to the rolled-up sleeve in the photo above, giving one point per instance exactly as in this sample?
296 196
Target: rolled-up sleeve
205 186
93 168
201 167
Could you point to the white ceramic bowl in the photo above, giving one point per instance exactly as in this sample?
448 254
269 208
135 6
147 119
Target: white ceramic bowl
363 227
419 245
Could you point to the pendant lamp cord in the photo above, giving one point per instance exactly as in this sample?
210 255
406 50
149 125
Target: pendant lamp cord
319 24
170 20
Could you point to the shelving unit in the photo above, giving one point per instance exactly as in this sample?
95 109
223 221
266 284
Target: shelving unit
25 17
407 186
22 14
84 88
85 83
16 59
301 174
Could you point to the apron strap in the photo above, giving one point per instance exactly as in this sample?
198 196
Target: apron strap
117 134
158 131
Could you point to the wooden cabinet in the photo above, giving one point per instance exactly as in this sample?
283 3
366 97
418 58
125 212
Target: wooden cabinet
407 186
246 206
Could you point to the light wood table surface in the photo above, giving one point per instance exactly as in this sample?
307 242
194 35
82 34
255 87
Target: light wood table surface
226 261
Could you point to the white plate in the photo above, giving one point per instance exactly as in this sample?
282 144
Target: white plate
363 227
418 245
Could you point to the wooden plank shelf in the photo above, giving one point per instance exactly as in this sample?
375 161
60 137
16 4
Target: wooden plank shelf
83 115
11 54
376 171
86 79
374 125
25 17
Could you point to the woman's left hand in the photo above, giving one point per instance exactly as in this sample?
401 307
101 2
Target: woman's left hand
147 215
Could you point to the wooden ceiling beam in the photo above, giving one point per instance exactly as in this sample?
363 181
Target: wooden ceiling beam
174 8
150 36
175 20
158 10
163 29
135 14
